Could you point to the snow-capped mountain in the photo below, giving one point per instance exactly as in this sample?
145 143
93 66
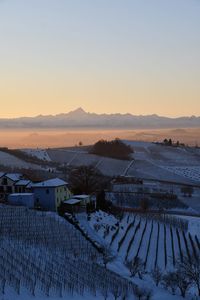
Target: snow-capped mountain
81 118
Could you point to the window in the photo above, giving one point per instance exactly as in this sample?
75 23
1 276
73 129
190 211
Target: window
5 181
9 189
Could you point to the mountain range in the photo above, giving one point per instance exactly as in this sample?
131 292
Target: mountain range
82 119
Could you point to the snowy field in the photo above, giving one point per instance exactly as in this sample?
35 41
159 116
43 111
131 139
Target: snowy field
14 162
193 225
107 166
38 153
193 202
150 161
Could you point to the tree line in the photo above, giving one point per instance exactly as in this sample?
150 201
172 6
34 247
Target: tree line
114 149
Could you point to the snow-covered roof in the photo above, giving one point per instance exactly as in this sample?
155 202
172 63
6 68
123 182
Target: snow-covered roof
81 196
14 176
72 201
1 174
20 194
22 182
55 182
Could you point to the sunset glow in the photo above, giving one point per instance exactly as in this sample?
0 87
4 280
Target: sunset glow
140 57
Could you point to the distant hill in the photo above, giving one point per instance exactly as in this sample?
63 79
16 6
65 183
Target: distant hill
80 118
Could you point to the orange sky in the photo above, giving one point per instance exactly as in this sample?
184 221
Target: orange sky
133 56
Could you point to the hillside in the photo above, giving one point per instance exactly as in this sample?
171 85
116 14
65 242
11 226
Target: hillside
148 161
157 241
43 255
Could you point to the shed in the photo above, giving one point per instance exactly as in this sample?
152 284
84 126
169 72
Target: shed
85 199
73 206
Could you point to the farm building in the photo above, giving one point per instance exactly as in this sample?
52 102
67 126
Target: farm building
22 186
72 206
22 199
7 183
79 203
48 194
51 193
84 199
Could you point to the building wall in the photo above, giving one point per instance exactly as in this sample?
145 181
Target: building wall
62 193
20 189
8 188
50 197
26 200
45 197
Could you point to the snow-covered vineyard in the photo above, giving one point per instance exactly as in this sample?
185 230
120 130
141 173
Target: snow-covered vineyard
92 254
43 253
39 153
158 241
149 160
191 172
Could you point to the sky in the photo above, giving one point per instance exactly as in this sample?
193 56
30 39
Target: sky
136 56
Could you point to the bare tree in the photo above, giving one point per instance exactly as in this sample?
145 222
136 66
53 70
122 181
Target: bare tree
149 294
183 282
86 180
157 275
107 257
190 268
105 292
116 291
136 266
143 293
139 292
169 282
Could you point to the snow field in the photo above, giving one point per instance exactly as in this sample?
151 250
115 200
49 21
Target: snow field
106 165
14 162
38 153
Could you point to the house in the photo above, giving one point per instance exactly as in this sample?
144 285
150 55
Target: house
22 186
48 194
22 199
51 193
7 183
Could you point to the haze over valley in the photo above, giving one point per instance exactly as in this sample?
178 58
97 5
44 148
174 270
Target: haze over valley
68 129
29 138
